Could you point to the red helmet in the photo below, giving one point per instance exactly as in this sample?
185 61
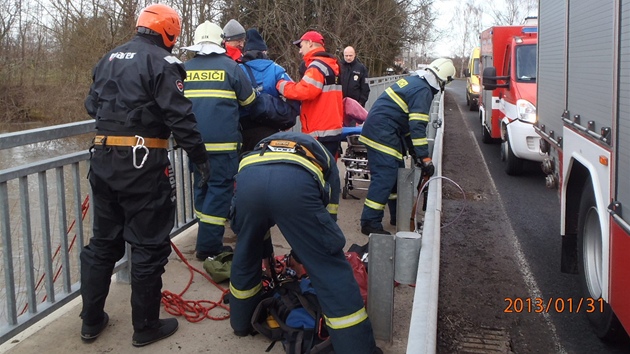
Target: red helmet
163 20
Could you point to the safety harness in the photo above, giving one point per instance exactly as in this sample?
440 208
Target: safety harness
135 142
291 147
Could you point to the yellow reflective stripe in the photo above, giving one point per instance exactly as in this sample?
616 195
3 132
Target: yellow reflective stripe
419 142
245 294
221 146
380 147
393 196
249 99
399 101
374 205
419 116
332 208
210 93
271 156
347 321
210 219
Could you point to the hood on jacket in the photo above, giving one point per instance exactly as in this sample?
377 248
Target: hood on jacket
259 64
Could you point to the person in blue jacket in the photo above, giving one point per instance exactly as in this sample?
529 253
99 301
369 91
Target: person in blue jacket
264 74
291 180
395 124
217 88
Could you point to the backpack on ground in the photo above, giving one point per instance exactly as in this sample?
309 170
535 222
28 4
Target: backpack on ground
291 314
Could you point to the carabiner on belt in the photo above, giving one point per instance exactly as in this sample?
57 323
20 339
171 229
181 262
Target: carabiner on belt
139 145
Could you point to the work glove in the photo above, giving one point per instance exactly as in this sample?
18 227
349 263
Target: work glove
426 165
413 155
204 172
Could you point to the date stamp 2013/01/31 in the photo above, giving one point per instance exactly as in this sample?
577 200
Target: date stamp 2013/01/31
558 304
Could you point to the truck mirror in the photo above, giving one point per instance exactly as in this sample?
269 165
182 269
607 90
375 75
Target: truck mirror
489 79
466 72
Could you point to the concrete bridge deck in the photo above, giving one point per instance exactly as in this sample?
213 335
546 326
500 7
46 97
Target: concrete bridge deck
59 333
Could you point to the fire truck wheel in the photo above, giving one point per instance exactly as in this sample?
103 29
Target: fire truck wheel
602 318
513 164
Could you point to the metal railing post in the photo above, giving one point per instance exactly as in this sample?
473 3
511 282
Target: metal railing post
380 307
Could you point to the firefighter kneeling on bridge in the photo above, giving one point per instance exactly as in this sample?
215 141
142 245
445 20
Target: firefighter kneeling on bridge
292 180
396 123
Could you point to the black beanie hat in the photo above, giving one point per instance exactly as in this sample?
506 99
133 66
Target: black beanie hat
254 41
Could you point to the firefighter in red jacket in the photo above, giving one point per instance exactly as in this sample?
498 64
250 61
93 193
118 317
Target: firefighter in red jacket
319 90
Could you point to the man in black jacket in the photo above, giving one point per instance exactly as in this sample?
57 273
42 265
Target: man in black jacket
137 99
354 77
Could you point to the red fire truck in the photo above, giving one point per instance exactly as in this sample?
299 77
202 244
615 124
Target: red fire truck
507 106
584 122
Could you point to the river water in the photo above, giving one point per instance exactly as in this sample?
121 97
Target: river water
22 207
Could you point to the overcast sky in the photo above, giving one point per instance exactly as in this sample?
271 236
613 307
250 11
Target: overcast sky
445 10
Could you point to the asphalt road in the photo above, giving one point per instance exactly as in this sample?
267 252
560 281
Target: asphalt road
534 215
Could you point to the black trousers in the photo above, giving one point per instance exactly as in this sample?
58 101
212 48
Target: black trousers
135 206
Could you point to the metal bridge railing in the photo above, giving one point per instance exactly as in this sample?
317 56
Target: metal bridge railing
378 86
45 220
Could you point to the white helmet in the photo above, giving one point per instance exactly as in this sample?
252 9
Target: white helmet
443 69
208 32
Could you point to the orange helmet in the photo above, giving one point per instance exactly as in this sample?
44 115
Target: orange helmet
163 20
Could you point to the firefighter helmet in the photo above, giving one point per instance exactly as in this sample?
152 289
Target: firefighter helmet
162 20
208 32
443 69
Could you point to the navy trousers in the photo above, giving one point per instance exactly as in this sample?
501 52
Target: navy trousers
212 201
384 178
289 196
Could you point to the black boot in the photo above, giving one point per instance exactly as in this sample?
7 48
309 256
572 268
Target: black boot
91 332
367 230
162 329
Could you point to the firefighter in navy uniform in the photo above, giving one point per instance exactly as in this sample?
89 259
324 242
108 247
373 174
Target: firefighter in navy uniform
137 99
217 87
396 123
292 180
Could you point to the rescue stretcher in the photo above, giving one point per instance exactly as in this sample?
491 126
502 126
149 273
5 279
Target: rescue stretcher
355 160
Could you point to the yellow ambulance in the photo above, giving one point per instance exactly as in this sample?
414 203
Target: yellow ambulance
472 80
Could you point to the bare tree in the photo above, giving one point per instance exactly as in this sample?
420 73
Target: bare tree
378 29
48 47
8 16
512 12
469 27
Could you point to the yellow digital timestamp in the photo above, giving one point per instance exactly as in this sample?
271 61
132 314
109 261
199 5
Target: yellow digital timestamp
558 305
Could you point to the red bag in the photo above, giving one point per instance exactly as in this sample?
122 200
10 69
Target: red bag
360 273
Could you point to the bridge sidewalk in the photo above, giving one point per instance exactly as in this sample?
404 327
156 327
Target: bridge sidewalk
59 333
